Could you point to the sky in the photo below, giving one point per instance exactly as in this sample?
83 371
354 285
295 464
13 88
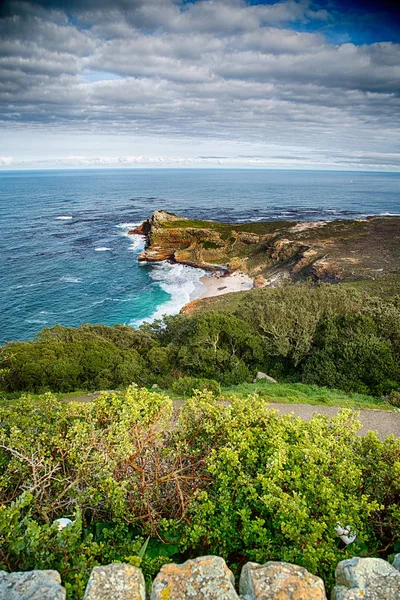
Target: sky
295 84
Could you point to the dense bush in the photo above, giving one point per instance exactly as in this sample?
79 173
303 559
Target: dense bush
27 544
88 357
236 480
350 355
335 336
185 386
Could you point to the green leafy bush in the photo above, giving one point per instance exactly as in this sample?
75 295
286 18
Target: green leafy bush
218 347
185 386
349 355
27 544
233 479
298 332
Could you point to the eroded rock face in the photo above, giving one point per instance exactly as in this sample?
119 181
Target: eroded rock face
279 581
367 579
329 251
259 281
31 585
207 577
116 582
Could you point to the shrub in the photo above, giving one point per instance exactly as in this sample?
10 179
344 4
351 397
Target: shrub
237 480
27 544
349 355
393 398
185 386
278 488
219 347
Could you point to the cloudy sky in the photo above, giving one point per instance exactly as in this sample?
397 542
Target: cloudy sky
231 83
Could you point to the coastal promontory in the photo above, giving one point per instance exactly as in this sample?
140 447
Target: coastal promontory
271 251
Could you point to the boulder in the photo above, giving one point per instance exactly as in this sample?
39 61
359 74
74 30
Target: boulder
205 577
366 579
260 375
31 585
279 581
396 562
259 281
115 582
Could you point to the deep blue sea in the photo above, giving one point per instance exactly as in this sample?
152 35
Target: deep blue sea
66 256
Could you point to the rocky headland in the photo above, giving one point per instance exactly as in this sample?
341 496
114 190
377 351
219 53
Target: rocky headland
269 252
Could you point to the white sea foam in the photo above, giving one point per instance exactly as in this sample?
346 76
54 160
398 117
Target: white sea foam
138 241
36 321
181 282
126 227
69 279
102 249
64 218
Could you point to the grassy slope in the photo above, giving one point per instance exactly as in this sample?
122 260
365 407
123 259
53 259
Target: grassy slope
299 393
385 287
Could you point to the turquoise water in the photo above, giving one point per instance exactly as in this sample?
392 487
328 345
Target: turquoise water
66 256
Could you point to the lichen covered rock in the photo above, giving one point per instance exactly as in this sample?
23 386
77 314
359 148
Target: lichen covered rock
396 562
279 581
31 585
206 577
367 579
116 582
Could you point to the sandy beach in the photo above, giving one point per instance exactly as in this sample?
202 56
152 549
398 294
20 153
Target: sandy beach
216 286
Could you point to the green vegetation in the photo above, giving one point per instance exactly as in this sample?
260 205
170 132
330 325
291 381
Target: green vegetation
300 393
234 480
334 336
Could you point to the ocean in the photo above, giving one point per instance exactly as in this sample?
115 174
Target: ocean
66 256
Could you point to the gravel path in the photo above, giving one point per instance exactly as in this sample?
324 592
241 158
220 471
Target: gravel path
384 422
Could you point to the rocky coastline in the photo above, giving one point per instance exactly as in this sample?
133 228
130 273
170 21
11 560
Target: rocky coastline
271 252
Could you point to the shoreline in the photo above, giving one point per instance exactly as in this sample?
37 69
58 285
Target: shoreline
218 286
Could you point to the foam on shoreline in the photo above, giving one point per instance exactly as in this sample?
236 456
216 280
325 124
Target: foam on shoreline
181 282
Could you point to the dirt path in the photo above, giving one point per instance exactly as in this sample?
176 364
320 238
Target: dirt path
384 422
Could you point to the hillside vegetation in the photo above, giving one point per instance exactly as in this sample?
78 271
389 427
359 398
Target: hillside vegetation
342 337
237 480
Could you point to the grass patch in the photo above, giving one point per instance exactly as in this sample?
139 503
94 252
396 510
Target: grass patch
281 393
299 393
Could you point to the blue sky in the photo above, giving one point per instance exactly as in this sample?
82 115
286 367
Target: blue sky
289 84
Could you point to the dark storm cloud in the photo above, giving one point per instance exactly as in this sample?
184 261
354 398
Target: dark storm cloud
260 72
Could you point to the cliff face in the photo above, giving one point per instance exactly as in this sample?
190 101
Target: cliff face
330 251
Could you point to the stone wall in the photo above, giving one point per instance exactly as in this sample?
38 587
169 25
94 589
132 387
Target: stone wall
208 577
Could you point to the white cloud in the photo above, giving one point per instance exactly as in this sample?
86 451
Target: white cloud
215 69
